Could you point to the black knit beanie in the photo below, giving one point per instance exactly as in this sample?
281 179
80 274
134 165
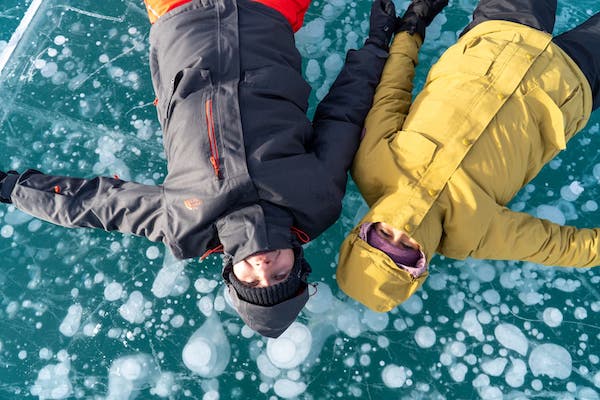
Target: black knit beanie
275 294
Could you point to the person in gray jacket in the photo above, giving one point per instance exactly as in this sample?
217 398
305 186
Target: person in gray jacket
248 173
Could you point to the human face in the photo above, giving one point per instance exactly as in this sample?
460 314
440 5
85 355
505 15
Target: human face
265 269
395 236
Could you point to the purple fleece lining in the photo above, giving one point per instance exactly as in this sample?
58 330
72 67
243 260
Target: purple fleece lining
410 260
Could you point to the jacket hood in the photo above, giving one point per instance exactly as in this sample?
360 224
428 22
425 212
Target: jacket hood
255 228
271 320
369 276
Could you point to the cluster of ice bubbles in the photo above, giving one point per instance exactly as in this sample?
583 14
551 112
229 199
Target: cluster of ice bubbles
284 363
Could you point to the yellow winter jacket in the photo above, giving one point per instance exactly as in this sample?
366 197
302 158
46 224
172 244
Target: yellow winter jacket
495 108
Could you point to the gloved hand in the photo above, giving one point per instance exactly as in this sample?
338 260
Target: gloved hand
383 23
419 15
9 178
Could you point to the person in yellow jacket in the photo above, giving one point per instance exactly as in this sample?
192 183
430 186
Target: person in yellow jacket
438 173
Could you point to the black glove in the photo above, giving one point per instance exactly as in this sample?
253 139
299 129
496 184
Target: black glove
419 15
383 23
7 183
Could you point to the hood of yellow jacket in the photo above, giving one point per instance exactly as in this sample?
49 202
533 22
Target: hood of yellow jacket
368 275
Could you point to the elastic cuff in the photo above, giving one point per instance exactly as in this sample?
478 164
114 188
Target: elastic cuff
376 47
8 184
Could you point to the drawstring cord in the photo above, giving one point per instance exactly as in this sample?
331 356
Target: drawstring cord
218 249
301 235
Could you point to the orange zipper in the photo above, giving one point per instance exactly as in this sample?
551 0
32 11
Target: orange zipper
212 139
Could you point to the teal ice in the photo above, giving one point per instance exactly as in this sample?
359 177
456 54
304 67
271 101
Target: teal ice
93 315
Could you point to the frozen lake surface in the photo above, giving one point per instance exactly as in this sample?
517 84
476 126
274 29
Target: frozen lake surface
94 315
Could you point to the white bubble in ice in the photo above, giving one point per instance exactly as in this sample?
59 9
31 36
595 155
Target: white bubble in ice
596 172
129 374
152 252
70 324
208 351
374 320
566 285
169 277
485 272
53 382
177 321
580 313
133 310
531 298
91 329
472 326
60 40
39 63
164 386
494 367
550 360
425 337
288 389
552 317
437 281
348 322
413 305
458 349
312 71
322 300
512 338
206 305
572 191
44 353
113 291
490 393
203 285
393 376
211 395
515 376
458 372
551 213
291 348
266 367
491 296
590 205
7 231
333 64
49 69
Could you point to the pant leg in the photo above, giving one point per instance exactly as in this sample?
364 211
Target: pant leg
582 44
538 14
157 8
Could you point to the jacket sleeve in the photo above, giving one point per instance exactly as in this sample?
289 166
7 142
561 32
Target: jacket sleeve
519 236
106 203
339 118
393 96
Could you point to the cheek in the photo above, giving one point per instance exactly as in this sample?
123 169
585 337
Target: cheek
240 271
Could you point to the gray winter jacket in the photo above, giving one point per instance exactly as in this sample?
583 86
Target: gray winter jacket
245 164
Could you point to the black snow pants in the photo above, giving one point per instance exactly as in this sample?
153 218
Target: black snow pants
581 43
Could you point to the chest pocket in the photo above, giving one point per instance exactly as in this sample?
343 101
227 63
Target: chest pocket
186 82
476 56
413 153
277 82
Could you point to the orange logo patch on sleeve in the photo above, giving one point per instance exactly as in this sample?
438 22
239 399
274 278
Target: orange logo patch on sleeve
192 204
